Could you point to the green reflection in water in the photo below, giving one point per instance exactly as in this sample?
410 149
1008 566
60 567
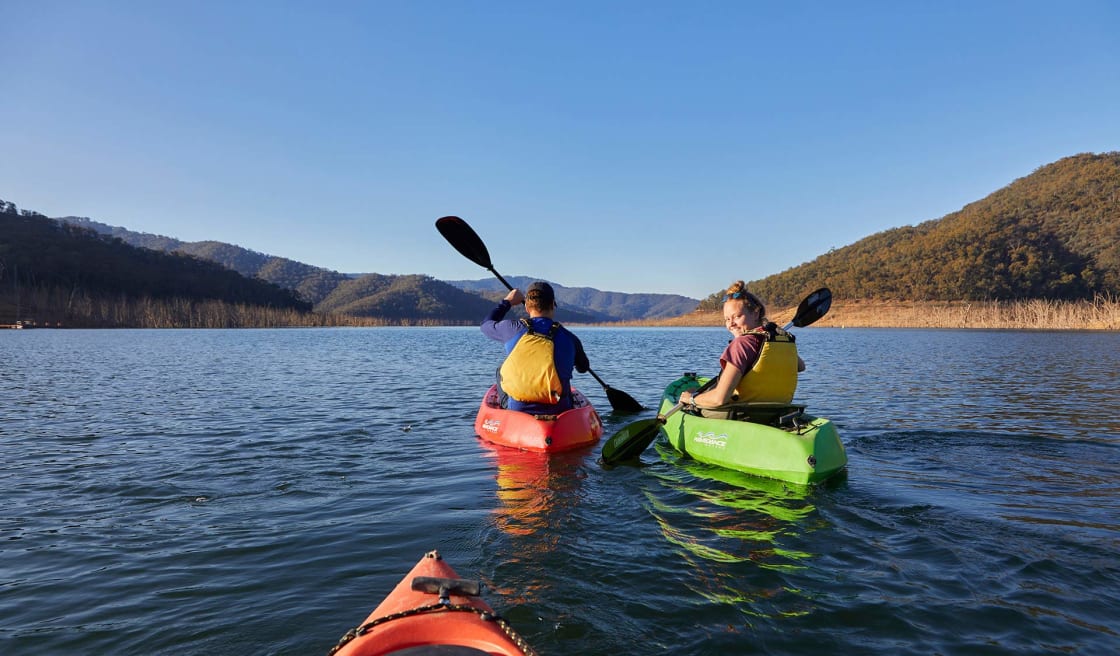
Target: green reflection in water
739 534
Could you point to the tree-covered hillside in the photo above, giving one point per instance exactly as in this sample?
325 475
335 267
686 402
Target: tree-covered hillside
37 253
598 305
312 283
413 297
334 292
1054 234
417 298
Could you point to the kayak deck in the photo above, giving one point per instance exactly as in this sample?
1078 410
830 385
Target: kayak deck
432 611
779 441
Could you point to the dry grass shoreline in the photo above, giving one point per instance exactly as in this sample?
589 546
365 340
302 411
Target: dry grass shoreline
1099 314
1102 314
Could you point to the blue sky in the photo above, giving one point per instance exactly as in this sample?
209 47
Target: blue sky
667 147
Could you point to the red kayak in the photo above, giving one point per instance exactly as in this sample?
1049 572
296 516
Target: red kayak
432 611
570 429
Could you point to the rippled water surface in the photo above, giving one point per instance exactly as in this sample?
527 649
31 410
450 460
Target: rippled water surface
259 491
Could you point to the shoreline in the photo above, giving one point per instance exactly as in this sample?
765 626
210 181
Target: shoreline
1100 314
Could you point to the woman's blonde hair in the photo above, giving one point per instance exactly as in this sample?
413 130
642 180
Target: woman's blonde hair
738 292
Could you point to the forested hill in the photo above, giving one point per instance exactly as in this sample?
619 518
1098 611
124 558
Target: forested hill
1054 234
43 257
420 298
312 283
49 266
393 297
598 305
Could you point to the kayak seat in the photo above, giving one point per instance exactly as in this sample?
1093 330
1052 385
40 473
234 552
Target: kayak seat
770 414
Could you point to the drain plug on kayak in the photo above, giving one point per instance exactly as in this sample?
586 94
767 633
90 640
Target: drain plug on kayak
812 462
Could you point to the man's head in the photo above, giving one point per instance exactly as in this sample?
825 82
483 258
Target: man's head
540 299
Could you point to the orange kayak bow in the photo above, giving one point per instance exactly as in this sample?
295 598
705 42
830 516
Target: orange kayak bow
433 611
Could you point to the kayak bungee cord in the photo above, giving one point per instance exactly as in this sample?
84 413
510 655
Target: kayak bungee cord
443 605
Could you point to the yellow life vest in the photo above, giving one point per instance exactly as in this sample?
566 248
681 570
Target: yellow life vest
529 372
773 378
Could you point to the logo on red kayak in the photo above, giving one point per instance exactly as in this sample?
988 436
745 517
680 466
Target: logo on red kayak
711 439
491 425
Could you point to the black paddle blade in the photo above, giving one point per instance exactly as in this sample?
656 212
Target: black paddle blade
621 401
813 307
464 239
630 441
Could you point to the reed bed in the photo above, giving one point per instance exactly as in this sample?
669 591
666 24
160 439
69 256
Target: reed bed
55 307
65 308
1101 313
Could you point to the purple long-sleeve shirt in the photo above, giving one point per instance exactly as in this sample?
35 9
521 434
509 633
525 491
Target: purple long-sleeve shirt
568 353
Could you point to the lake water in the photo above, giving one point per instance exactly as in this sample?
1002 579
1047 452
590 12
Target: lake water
259 491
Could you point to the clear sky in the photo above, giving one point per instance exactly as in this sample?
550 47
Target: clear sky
636 146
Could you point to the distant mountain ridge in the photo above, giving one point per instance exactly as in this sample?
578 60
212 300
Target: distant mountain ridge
608 306
399 296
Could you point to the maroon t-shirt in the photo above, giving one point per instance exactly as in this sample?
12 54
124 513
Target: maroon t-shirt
742 352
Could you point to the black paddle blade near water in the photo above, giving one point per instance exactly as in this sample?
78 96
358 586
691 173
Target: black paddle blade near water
620 401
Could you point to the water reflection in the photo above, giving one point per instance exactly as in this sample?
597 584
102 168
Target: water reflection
536 517
740 534
535 490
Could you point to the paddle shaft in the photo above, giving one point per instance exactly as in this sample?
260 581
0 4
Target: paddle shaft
596 377
499 277
703 388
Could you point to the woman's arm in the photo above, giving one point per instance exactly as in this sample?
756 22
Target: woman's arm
728 380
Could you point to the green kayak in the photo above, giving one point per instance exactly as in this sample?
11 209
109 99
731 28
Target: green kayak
776 440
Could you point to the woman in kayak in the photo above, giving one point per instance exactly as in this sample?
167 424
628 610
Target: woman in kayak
760 363
540 353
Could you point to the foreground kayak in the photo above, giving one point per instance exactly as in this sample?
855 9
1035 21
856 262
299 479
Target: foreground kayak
571 429
433 612
764 439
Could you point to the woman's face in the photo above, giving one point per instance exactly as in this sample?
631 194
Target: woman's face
739 319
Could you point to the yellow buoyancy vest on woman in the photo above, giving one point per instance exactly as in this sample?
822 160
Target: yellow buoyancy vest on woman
773 378
529 372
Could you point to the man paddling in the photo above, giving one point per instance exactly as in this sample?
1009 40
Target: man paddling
536 375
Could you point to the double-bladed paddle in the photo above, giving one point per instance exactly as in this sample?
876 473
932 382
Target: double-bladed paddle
465 240
635 437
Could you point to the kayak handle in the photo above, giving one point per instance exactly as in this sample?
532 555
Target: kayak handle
446 587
